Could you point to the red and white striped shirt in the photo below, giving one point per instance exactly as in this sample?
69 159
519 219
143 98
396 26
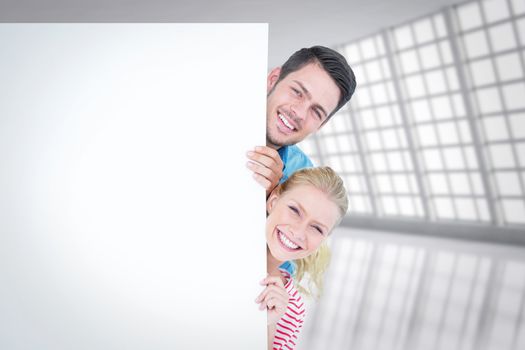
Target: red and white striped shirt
290 324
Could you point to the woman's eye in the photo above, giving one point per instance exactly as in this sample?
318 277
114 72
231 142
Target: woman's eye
318 229
294 209
297 92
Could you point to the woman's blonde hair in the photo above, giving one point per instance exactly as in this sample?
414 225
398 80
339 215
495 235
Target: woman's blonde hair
327 181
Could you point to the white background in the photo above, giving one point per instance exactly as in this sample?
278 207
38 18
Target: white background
127 217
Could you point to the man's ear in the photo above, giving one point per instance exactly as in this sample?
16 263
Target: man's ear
272 199
273 77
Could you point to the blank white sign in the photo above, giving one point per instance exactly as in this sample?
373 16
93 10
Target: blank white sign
127 217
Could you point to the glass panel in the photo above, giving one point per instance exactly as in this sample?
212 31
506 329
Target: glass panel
427 135
476 44
363 98
415 86
330 144
466 209
488 100
379 94
517 122
423 30
439 24
432 159
373 71
501 156
352 54
514 211
521 30
384 116
482 72
395 161
469 16
495 128
373 141
448 133
368 119
441 107
518 6
344 142
403 37
429 56
453 158
459 183
384 184
452 78
438 184
509 67
508 184
446 52
390 139
368 48
400 184
502 37
514 96
435 82
378 162
409 62
406 205
459 106
444 208
464 132
420 110
495 10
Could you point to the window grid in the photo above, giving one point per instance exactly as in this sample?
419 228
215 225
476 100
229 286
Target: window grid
489 91
422 119
346 160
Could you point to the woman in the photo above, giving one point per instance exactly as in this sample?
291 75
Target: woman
301 214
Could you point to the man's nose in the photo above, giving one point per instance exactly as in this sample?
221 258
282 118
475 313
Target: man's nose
299 110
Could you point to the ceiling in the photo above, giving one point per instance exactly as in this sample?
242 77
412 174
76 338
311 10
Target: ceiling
293 23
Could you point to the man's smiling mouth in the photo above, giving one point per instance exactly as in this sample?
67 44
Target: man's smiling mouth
285 121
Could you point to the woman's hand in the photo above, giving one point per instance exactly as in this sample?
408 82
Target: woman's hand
273 298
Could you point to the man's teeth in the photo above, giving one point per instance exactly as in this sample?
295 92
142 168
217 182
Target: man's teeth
285 121
287 242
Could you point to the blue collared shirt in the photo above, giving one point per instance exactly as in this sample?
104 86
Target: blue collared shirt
294 159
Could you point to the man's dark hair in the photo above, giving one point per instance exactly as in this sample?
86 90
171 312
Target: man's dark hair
332 62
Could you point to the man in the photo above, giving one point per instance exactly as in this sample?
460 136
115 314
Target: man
303 95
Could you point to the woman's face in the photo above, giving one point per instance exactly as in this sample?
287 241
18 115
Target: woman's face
298 222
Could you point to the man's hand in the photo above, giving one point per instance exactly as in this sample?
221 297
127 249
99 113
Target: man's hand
267 167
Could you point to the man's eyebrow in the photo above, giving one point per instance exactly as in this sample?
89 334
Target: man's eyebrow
307 93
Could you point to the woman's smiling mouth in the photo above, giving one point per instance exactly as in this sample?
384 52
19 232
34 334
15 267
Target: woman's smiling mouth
286 242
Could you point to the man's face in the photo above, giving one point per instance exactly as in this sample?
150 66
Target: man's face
299 104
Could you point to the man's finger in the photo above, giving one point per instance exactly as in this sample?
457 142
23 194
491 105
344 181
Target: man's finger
261 170
264 182
266 160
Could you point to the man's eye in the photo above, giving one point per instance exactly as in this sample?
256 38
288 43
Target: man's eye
297 92
318 115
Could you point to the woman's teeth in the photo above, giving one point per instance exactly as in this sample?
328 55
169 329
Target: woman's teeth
285 122
287 242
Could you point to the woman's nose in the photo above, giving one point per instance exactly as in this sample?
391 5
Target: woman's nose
297 232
